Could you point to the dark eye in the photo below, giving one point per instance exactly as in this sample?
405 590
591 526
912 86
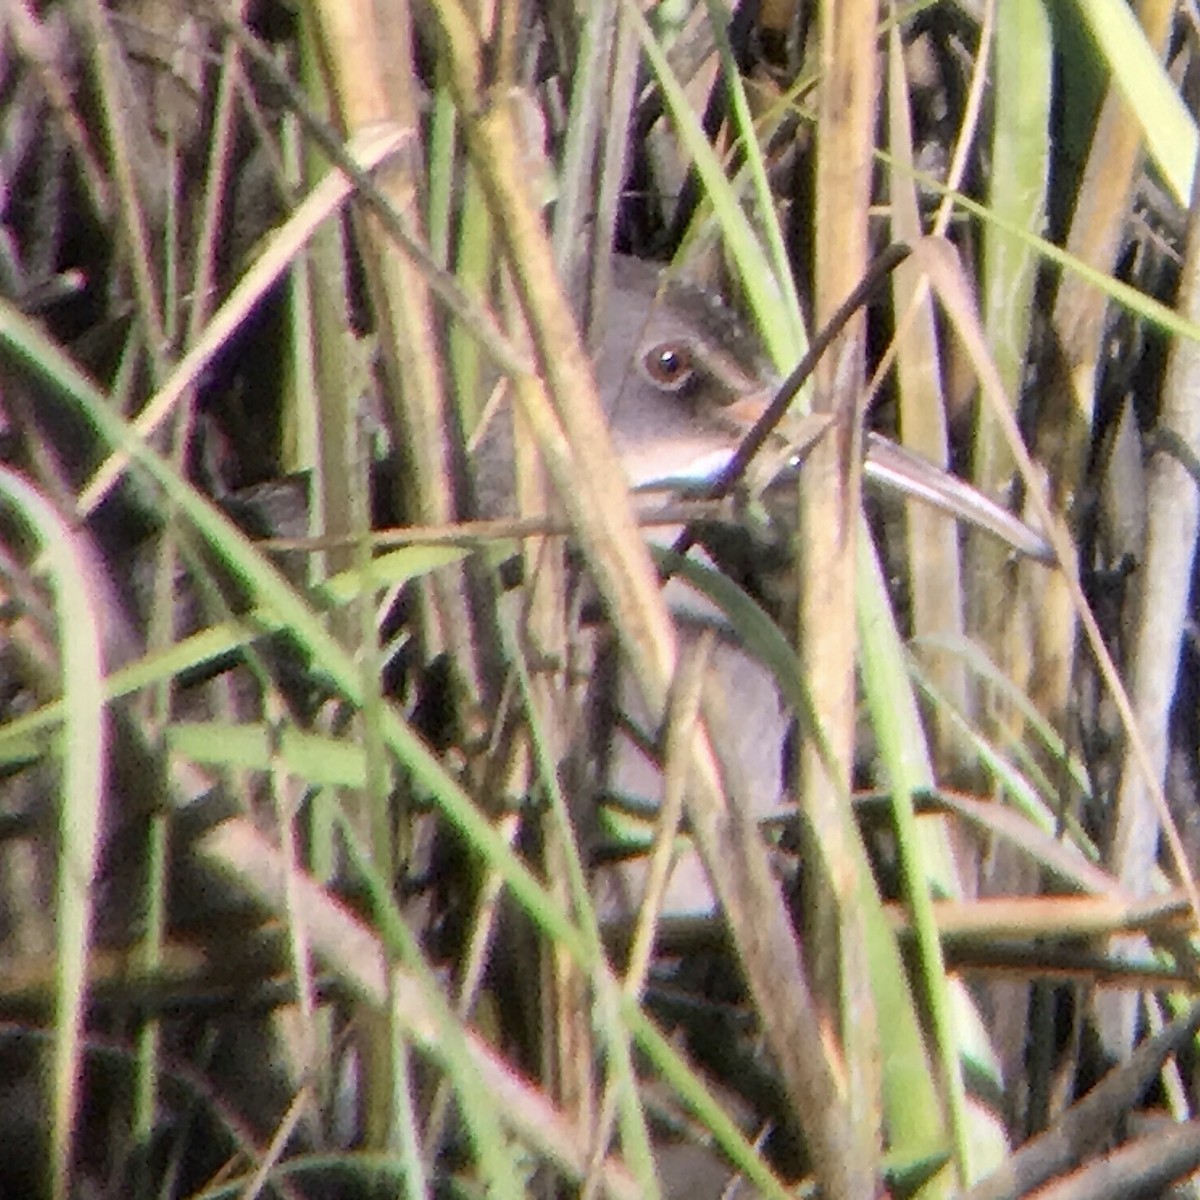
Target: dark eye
669 365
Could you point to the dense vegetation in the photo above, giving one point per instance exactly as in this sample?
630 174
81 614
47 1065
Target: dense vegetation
306 865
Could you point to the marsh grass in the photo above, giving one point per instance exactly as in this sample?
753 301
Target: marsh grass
415 262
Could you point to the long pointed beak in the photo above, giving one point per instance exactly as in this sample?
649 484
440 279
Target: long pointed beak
897 467
886 463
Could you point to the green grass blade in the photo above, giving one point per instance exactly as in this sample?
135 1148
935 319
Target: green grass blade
83 757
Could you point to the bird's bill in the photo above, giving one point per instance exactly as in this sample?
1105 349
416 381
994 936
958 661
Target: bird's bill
894 466
692 468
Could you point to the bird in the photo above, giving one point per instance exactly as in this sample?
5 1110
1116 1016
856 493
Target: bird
682 380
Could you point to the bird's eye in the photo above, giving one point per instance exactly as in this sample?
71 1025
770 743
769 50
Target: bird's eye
669 365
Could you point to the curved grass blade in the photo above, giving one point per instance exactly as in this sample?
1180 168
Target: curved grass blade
84 751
